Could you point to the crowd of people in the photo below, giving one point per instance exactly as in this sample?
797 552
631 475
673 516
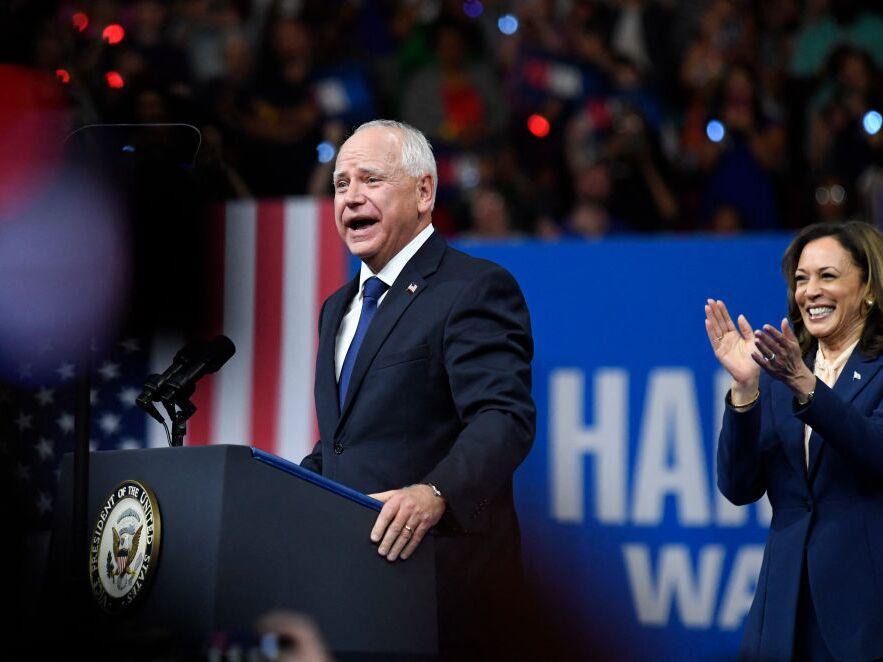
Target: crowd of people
549 118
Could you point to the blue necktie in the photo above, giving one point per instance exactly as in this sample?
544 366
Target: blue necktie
372 290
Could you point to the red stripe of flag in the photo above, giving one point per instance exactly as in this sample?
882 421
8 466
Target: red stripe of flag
267 323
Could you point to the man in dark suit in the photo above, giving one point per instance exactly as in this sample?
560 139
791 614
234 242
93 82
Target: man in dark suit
423 387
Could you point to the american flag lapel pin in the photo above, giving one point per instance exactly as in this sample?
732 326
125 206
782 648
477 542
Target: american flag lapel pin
855 375
412 288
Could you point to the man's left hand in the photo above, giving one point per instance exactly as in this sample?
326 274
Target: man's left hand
406 516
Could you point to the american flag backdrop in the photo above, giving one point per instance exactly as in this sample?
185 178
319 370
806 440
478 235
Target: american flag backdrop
277 261
273 264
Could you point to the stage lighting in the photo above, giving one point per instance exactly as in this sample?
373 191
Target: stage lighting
507 24
473 8
114 80
872 121
715 131
80 21
113 33
325 151
538 126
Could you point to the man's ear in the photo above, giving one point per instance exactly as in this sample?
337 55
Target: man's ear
425 193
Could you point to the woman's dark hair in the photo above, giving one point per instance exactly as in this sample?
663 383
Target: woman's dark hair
864 243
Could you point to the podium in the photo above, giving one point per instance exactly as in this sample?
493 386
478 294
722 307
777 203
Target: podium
244 532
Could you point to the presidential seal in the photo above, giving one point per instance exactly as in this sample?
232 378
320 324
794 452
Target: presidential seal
124 548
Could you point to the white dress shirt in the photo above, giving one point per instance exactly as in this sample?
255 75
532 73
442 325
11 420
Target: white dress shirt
388 275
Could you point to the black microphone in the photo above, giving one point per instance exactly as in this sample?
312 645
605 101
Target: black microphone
190 364
175 386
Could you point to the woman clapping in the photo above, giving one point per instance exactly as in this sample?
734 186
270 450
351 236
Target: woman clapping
804 424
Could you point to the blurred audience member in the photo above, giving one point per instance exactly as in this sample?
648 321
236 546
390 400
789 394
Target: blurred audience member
726 219
589 220
833 203
839 141
641 33
832 23
488 215
456 98
280 122
291 637
743 153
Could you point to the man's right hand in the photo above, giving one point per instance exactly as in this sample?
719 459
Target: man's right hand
406 517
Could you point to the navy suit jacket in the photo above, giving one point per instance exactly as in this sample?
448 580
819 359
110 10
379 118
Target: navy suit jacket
830 514
440 394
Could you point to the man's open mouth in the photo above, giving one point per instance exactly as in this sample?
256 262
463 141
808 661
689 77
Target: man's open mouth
360 223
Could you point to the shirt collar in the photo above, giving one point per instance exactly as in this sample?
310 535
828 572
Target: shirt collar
393 268
838 362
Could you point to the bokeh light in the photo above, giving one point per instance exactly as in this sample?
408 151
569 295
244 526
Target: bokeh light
538 125
114 80
325 151
63 273
507 24
63 75
872 122
468 172
113 33
715 131
838 194
473 8
80 21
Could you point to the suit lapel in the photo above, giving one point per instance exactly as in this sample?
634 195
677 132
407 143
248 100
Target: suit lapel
409 285
858 371
326 379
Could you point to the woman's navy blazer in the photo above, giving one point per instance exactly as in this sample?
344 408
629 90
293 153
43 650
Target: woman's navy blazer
829 515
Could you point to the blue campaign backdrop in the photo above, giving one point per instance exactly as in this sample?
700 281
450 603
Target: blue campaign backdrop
631 548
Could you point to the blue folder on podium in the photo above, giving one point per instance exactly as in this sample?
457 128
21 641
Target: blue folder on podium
245 532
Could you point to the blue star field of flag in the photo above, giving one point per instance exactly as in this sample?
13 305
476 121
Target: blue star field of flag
37 422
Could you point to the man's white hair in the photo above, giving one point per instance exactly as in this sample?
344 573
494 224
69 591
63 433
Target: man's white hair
417 157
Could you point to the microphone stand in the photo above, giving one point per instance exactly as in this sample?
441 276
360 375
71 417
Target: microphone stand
179 409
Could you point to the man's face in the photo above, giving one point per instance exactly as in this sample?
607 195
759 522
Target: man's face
378 207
